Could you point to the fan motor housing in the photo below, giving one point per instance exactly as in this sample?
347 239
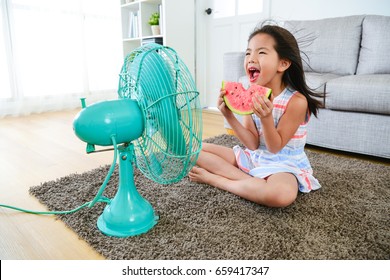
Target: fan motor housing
97 123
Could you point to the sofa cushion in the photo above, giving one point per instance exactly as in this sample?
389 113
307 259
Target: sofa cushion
233 65
359 93
244 80
331 45
374 54
317 81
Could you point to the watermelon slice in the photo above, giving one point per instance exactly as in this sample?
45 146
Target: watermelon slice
239 100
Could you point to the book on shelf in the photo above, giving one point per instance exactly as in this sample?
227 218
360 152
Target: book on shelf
157 40
160 10
133 25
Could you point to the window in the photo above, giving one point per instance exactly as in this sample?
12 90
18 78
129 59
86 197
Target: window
231 8
59 48
245 7
5 89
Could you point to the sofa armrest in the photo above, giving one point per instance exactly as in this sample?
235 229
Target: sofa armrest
233 66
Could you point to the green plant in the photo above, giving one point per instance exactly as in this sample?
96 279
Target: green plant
154 19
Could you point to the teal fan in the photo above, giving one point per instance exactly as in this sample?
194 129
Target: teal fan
155 124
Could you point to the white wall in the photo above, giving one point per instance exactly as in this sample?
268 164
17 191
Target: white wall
180 29
315 9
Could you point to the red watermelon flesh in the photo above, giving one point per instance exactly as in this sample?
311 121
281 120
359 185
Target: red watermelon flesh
239 100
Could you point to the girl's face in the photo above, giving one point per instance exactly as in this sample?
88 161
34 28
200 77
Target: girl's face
262 63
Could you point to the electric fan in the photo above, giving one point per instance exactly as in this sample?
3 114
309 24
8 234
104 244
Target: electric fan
155 124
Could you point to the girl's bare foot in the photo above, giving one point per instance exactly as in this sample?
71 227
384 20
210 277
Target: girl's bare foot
199 175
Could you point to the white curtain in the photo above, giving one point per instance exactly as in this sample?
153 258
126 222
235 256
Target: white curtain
52 52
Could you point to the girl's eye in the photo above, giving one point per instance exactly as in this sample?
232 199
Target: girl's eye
261 52
247 53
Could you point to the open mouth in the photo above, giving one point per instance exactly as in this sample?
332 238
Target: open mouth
253 74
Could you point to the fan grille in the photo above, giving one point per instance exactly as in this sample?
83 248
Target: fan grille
157 78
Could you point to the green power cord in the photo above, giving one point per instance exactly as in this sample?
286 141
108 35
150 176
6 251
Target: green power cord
98 197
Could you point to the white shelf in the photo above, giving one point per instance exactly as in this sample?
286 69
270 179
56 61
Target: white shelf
123 2
150 37
135 26
177 24
131 39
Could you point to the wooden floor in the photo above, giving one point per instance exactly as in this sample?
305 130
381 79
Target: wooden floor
39 148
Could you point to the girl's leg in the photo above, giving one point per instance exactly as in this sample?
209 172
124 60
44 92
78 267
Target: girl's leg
221 151
221 161
279 190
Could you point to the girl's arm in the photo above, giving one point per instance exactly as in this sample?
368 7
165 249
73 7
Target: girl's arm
293 117
245 132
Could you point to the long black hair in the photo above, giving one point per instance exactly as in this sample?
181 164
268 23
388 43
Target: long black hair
287 48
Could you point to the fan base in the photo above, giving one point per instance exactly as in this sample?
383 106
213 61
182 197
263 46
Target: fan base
128 213
123 232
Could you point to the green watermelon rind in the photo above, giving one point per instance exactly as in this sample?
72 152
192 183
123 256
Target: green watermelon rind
236 111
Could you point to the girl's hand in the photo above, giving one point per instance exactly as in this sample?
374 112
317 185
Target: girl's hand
226 112
262 106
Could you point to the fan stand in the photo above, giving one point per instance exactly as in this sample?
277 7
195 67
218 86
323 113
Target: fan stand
128 213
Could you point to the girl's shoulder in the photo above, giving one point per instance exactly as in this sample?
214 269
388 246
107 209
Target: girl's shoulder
288 95
290 103
298 99
297 105
297 95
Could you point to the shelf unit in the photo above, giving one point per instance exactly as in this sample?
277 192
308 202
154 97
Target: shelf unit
177 24
135 26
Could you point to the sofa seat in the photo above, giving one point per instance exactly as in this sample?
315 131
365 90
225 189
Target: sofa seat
359 93
354 132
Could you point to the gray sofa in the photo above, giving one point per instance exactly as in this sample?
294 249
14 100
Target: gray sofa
348 59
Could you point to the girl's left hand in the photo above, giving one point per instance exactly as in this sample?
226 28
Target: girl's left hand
262 106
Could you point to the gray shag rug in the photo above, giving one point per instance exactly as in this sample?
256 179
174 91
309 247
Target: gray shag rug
348 218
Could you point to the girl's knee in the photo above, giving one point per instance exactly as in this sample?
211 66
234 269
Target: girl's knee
283 197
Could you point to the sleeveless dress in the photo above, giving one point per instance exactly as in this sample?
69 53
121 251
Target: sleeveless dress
291 159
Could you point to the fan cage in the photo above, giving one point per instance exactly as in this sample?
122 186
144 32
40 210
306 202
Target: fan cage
156 77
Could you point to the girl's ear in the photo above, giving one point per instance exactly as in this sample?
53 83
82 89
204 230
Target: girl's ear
284 64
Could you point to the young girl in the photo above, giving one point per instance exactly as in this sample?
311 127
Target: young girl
274 166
